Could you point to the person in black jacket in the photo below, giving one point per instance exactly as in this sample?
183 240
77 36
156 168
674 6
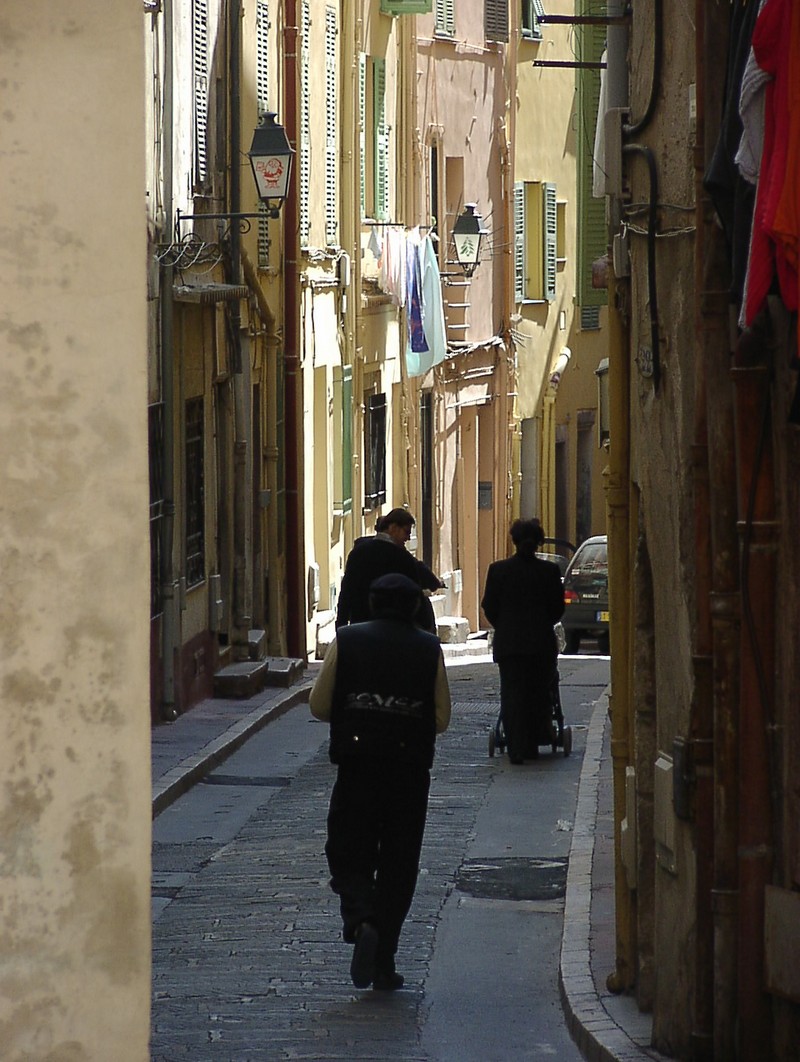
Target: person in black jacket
383 688
523 600
371 557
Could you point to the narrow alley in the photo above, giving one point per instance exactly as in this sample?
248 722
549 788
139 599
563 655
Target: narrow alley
248 961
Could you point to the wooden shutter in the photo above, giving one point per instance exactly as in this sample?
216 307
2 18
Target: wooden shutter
445 24
495 20
262 56
343 439
519 241
200 78
305 124
550 231
381 137
331 97
362 129
262 101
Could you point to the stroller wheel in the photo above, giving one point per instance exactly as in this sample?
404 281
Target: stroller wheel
491 742
567 740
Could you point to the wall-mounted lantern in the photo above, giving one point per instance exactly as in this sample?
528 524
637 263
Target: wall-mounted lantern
467 233
271 158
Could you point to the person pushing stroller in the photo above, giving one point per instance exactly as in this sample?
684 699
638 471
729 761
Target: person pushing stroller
523 600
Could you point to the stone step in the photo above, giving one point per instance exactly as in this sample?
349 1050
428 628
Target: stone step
245 678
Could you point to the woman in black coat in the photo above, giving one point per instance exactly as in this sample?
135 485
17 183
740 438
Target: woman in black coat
523 600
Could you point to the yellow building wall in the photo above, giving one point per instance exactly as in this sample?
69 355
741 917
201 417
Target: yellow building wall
74 540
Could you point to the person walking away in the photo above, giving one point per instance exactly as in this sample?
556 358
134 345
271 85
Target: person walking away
383 689
371 557
523 600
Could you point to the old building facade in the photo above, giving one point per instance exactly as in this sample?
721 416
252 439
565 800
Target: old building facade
703 526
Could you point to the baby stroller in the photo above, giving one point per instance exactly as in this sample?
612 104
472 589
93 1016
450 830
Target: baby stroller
562 734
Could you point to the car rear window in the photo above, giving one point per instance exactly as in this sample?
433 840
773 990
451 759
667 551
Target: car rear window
592 558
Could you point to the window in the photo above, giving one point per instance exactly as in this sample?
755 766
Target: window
495 20
343 439
200 88
305 124
195 493
262 101
374 452
331 169
592 235
445 19
373 138
532 11
535 241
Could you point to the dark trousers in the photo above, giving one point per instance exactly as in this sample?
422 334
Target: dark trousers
526 703
375 825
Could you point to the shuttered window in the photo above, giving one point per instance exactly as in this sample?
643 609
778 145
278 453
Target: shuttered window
519 242
305 124
343 439
592 236
535 241
200 87
262 101
495 20
374 451
331 97
362 129
445 24
194 456
532 10
381 140
550 227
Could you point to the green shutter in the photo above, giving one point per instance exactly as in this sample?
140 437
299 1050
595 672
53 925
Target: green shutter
550 230
445 18
592 229
405 7
381 136
362 129
343 429
519 241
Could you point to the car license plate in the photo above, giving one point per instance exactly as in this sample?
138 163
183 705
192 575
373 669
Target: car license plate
602 617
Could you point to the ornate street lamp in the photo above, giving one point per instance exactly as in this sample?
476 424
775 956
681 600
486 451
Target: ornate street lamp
271 158
467 233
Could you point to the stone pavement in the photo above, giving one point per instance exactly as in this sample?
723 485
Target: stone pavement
604 1026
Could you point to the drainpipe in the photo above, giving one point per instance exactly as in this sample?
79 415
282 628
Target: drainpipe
242 480
622 542
277 633
622 535
170 616
293 425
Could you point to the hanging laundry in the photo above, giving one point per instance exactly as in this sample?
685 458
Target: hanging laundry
417 343
427 343
772 42
392 265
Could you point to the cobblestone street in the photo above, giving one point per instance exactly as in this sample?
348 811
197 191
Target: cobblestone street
248 961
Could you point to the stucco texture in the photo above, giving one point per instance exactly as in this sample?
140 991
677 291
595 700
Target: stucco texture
74 556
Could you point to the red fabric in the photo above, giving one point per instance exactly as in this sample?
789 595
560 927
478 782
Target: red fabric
772 49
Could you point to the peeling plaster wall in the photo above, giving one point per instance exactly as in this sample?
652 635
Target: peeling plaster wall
74 554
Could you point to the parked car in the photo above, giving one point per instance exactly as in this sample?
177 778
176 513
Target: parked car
586 595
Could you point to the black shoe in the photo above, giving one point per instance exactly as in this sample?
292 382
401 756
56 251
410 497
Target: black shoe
388 982
516 760
362 967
